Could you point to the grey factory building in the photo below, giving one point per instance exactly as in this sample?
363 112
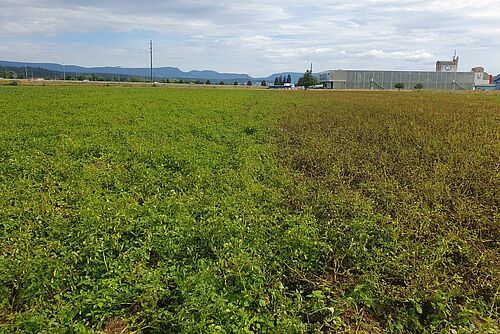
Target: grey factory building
496 81
445 77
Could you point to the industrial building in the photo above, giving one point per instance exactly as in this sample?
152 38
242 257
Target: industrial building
496 81
445 77
482 80
447 66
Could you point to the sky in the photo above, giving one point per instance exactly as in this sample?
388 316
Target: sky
255 37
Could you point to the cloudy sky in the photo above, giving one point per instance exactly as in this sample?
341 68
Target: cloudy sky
256 37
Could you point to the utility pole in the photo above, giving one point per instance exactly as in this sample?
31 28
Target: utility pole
25 69
64 72
151 58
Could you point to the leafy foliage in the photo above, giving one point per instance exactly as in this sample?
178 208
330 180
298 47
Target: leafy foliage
307 80
404 195
399 85
212 210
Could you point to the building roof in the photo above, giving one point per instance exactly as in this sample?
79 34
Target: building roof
395 71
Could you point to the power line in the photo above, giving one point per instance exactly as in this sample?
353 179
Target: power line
151 57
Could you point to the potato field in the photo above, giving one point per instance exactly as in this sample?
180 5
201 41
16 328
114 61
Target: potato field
202 210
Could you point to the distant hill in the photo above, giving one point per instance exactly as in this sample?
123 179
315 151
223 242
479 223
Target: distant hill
161 72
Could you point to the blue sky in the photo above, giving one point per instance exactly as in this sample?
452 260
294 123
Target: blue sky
254 37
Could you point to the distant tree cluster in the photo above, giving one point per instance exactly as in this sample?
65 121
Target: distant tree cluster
281 80
192 82
401 85
20 73
36 72
9 75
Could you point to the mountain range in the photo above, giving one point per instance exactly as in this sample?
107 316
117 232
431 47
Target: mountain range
159 72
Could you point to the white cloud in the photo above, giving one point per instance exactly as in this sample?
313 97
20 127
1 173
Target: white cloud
418 55
257 36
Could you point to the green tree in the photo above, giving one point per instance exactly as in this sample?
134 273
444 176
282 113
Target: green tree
307 80
263 83
208 82
221 83
10 75
235 83
249 83
419 86
399 85
289 79
276 81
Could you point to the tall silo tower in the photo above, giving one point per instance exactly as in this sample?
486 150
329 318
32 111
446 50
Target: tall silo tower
448 66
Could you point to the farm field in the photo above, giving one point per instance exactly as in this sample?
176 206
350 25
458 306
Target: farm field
164 210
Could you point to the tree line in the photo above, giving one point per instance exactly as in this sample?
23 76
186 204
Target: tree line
41 73
281 80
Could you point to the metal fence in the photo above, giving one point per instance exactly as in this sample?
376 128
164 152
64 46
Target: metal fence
354 79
